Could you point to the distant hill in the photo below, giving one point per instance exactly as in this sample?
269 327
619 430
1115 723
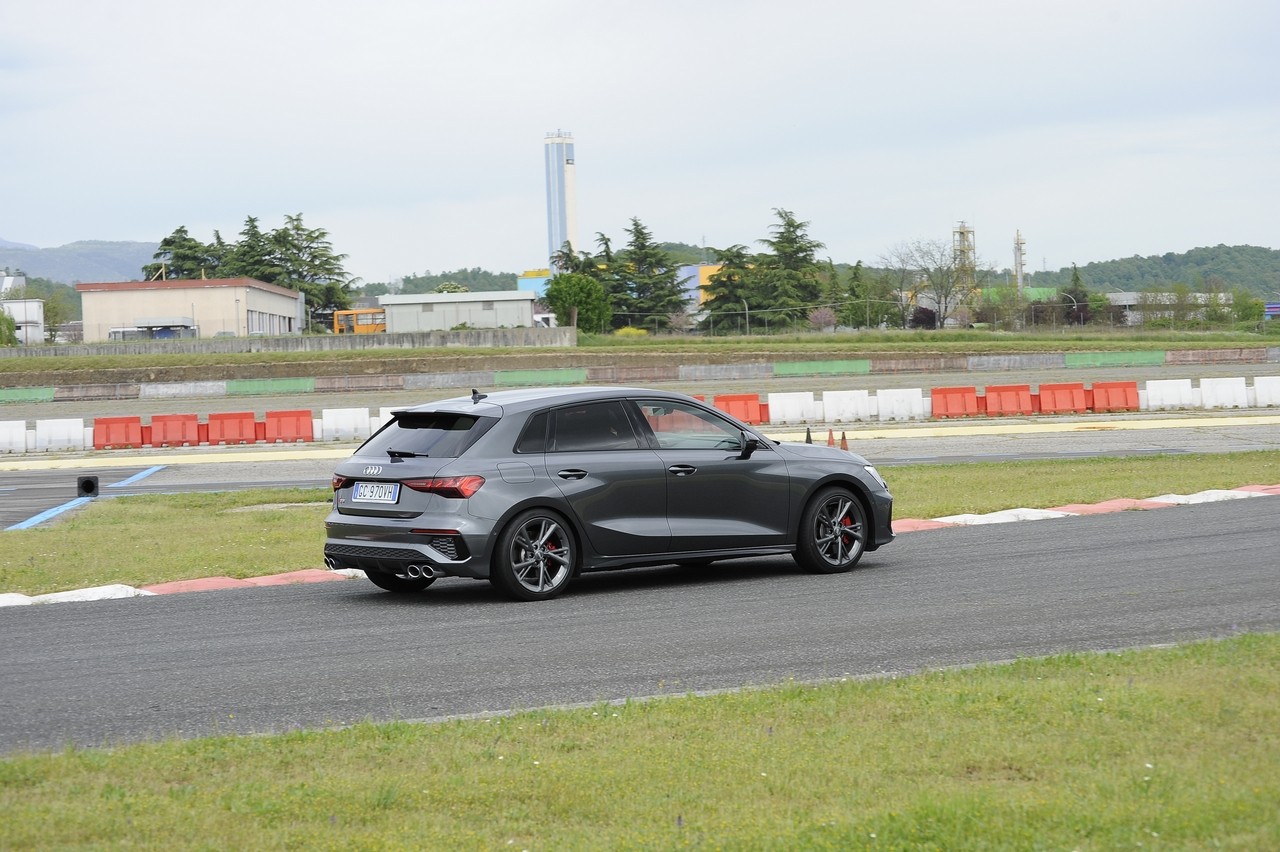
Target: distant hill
1249 267
87 260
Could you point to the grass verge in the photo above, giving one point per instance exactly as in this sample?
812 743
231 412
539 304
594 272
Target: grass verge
1172 748
161 538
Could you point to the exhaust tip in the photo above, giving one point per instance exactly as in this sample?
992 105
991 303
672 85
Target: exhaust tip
420 572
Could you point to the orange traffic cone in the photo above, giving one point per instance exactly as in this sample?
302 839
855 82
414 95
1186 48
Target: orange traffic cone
844 442
831 438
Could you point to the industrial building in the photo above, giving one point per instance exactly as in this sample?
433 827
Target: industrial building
217 307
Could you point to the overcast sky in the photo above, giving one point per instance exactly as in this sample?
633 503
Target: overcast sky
412 131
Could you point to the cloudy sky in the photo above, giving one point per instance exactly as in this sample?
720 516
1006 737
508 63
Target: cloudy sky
412 130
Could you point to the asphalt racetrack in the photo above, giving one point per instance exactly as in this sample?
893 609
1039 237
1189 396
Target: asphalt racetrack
274 659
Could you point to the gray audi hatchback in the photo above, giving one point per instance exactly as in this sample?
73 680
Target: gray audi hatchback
530 488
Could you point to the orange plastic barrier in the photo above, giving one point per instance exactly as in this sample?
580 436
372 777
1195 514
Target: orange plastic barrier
954 402
175 430
744 406
288 426
1063 398
232 428
1009 399
116 432
1115 396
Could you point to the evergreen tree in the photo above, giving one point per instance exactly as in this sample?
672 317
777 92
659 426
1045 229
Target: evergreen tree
181 255
727 292
253 256
850 312
787 276
309 264
1079 311
651 279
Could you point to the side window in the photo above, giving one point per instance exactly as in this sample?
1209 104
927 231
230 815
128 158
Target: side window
592 427
680 426
534 439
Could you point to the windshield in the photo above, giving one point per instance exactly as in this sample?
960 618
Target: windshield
434 434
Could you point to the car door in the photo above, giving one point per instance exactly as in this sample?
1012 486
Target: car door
716 500
615 485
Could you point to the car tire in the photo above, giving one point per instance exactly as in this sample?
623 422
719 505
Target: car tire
535 556
400 585
833 532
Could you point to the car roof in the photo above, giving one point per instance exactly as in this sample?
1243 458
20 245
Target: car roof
500 403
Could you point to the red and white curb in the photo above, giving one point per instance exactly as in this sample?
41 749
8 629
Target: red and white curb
321 575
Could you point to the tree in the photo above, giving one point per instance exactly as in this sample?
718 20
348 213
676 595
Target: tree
575 290
253 256
651 278
934 273
8 330
850 313
181 255
309 264
451 287
727 291
1079 312
787 276
1246 306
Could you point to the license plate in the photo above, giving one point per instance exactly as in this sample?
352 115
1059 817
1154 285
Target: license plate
376 492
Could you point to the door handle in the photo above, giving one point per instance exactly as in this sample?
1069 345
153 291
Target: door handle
681 469
572 473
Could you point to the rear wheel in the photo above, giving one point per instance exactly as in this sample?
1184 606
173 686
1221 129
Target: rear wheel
534 556
403 585
833 532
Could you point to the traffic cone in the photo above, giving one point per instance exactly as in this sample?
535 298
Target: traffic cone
831 438
808 436
844 441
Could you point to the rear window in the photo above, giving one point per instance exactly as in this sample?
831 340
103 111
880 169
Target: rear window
435 434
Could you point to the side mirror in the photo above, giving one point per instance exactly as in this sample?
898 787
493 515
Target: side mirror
749 444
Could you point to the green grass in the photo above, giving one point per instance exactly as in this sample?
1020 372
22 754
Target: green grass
1166 749
160 538
934 491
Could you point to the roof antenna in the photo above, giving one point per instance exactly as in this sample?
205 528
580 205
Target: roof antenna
476 396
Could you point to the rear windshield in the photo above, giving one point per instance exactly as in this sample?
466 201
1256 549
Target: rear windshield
435 434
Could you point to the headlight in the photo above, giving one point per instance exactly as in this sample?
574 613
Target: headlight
875 474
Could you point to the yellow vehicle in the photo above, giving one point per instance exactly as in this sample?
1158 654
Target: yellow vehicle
360 321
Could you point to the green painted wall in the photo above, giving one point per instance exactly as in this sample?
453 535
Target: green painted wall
261 387
535 378
822 368
26 395
1115 359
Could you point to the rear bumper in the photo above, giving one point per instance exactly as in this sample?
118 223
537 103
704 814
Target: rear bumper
368 544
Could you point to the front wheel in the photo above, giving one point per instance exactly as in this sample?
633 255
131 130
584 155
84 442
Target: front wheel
534 557
402 585
833 532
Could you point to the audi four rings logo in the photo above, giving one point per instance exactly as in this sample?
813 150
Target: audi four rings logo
373 470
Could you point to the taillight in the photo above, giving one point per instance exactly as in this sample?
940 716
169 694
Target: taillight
339 481
446 486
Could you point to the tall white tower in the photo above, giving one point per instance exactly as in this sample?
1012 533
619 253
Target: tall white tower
1019 255
562 203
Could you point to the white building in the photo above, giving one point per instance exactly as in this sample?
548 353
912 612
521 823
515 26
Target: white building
28 315
174 308
447 311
